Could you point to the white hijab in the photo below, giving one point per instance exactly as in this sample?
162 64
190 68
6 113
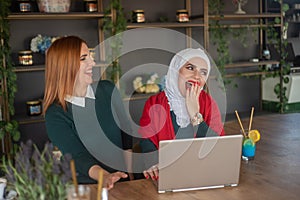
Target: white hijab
176 100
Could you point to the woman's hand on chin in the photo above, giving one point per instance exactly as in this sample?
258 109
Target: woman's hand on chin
192 100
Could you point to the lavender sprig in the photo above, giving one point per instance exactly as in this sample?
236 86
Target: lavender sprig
38 175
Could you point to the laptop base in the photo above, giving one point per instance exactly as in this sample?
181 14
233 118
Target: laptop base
198 188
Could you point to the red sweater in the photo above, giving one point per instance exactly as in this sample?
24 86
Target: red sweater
160 127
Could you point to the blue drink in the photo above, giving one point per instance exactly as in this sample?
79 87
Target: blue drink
248 149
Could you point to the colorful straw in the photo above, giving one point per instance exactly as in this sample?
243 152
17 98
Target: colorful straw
251 117
100 180
73 170
241 125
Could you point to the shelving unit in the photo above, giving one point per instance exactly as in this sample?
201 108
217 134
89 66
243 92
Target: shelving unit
165 25
54 16
201 24
259 20
289 101
31 78
188 26
30 68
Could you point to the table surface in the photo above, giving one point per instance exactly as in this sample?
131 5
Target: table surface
273 174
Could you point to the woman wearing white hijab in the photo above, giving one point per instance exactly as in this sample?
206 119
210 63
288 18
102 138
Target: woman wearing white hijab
183 109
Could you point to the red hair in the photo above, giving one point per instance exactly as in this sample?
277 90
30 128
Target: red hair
62 65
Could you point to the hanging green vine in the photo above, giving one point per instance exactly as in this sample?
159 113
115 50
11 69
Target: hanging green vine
215 7
8 127
280 43
114 27
219 37
221 34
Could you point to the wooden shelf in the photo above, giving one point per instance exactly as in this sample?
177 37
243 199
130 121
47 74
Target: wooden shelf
244 20
165 25
248 74
250 64
243 17
32 68
35 68
247 64
248 25
55 16
295 22
138 96
25 119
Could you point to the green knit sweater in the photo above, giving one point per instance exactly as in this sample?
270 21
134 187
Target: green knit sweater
63 133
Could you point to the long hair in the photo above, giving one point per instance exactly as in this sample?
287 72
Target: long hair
62 65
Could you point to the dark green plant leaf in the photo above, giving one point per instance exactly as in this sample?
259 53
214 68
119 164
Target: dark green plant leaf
6 72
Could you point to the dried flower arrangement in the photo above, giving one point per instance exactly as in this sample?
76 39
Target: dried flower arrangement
41 43
38 175
151 86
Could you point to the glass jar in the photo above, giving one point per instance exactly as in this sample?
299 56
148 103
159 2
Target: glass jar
90 5
25 58
182 15
34 107
24 5
138 16
266 54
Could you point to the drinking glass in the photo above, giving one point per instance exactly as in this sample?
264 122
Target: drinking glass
104 194
84 192
3 182
248 148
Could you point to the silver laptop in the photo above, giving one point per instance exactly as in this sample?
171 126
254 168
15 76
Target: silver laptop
199 163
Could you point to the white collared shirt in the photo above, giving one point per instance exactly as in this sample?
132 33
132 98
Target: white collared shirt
80 101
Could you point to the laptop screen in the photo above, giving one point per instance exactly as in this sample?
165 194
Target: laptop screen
199 163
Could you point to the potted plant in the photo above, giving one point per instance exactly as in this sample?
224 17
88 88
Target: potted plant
8 128
38 175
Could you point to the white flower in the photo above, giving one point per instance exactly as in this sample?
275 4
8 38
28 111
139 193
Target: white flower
137 82
151 85
153 79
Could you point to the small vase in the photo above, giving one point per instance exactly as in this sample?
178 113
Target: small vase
239 9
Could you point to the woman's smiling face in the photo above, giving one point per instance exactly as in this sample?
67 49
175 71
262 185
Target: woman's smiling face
85 73
194 71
